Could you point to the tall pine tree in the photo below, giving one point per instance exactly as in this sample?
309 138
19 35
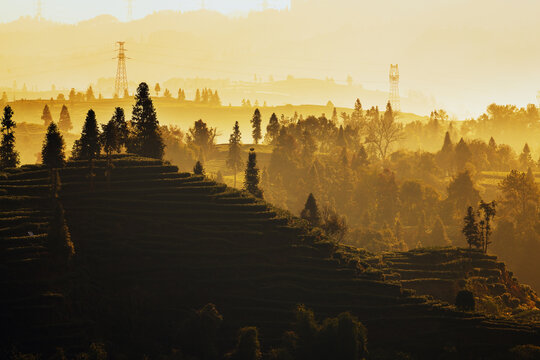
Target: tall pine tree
8 156
272 130
234 160
147 140
252 179
52 152
256 125
88 146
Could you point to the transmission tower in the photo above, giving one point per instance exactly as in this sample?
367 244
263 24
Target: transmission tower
394 88
38 9
130 10
121 83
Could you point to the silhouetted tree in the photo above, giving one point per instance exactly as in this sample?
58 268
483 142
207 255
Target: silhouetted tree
110 138
525 158
198 168
465 300
181 95
463 155
88 146
438 236
52 152
272 130
234 159
90 94
9 157
64 123
470 229
167 94
122 131
46 116
311 211
252 179
256 125
445 156
197 96
383 131
247 346
157 89
486 213
202 138
146 140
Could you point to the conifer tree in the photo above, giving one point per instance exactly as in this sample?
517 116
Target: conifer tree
157 88
9 158
52 152
462 154
470 229
340 141
234 160
248 346
272 130
121 125
181 95
147 140
88 146
167 94
256 125
252 179
311 211
198 168
525 158
198 96
334 116
110 138
64 123
46 116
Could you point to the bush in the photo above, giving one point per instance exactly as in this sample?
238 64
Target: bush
465 300
248 346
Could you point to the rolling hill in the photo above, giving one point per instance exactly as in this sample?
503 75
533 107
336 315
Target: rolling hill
153 244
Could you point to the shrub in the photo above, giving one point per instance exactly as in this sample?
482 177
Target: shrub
465 300
248 346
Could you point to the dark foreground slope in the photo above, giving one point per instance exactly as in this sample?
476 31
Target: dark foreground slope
153 244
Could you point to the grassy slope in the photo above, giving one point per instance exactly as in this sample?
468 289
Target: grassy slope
154 244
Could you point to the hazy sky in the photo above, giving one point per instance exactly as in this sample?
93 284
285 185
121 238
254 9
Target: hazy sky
72 11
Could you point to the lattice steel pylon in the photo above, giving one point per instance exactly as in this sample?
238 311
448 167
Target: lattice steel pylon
130 10
121 83
394 88
38 10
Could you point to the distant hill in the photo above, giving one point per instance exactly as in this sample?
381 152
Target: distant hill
153 244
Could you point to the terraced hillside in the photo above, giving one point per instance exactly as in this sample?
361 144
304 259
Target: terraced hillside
153 244
443 272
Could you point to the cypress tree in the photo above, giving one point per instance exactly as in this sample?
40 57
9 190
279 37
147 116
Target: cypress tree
234 160
311 211
110 138
46 116
64 123
88 146
52 152
8 156
272 130
147 140
256 125
252 179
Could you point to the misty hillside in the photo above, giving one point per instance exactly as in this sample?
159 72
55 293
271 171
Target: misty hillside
152 245
444 50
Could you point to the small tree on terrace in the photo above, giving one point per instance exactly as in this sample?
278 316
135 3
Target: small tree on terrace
234 160
252 178
311 211
198 169
8 156
256 125
486 213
